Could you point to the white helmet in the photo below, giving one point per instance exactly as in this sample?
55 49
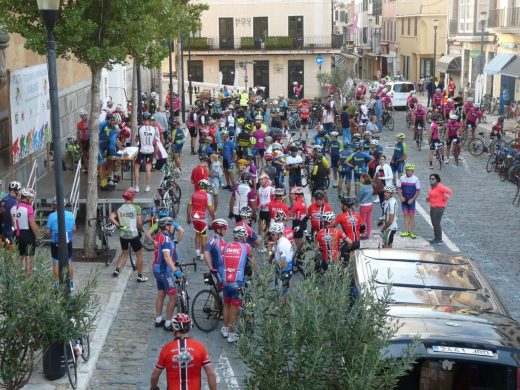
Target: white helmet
389 188
153 95
470 99
476 105
83 113
318 147
454 117
385 90
274 102
28 192
328 216
15 186
334 133
276 228
375 142
240 232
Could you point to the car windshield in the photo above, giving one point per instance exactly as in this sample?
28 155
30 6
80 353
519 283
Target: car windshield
403 88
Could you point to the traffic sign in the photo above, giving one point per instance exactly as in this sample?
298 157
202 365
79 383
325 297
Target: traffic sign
319 60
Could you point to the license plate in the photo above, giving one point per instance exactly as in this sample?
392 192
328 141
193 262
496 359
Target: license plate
464 351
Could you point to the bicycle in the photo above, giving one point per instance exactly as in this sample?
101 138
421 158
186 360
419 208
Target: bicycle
73 349
305 256
418 136
105 230
437 155
147 224
456 151
183 297
388 121
481 144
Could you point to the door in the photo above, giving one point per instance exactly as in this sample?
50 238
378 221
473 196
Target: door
294 73
227 67
260 30
261 76
226 33
296 30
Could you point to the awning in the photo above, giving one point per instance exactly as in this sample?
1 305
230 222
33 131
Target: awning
513 69
498 63
449 63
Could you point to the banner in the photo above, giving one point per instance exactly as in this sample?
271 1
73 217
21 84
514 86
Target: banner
30 111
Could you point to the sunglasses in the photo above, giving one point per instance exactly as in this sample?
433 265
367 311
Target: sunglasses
433 179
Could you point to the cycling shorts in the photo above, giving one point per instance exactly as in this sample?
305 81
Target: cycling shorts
408 208
305 121
452 138
85 145
165 282
296 223
231 294
134 242
144 158
55 252
388 237
334 163
227 165
200 226
265 216
357 176
106 152
346 173
283 279
295 180
177 148
26 243
398 168
193 132
435 141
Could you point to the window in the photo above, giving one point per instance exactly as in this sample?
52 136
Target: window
196 70
296 26
365 34
482 6
336 15
415 26
466 16
226 33
404 87
426 67
227 67
402 26
406 66
342 16
365 5
260 30
409 22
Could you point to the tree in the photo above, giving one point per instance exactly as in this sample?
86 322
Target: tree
34 314
321 335
100 33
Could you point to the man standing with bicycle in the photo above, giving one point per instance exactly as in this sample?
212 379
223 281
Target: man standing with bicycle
183 359
129 221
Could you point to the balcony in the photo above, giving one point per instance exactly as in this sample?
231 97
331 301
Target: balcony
504 18
307 43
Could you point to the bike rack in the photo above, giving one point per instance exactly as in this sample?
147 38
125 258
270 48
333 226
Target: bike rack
74 192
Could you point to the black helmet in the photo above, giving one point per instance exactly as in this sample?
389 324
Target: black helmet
348 201
319 194
204 158
293 148
110 116
147 116
323 131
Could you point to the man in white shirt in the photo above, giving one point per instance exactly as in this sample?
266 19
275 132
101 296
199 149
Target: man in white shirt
294 163
265 196
282 257
147 142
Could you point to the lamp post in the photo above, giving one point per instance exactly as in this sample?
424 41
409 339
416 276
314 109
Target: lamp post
49 12
483 16
435 26
190 86
170 66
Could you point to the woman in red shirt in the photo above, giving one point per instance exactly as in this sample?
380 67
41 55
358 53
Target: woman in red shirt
438 196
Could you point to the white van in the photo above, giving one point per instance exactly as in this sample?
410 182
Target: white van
400 91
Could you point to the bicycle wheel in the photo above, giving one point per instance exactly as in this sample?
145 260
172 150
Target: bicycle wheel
105 250
390 123
71 364
183 303
147 244
85 345
513 173
476 147
492 160
131 257
438 160
206 310
175 192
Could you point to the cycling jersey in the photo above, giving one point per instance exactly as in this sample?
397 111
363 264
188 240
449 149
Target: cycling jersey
419 114
234 258
352 224
200 201
146 135
411 102
107 135
52 225
446 109
474 114
244 139
22 213
83 128
329 241
243 194
437 99
298 209
276 206
386 101
304 110
161 151
259 136
283 254
199 172
435 131
288 233
452 127
164 244
466 107
7 221
265 196
214 247
251 235
335 146
314 212
320 173
400 149
390 208
178 136
409 185
127 217
359 160
183 360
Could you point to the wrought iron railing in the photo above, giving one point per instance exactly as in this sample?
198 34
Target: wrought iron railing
266 43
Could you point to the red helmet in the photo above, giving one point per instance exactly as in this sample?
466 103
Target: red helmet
219 223
297 191
181 323
129 194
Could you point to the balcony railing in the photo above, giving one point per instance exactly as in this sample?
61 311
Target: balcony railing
504 17
267 43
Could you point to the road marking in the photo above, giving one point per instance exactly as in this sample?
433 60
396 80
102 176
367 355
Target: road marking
450 244
228 373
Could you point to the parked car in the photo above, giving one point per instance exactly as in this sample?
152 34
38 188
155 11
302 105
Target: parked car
467 338
400 91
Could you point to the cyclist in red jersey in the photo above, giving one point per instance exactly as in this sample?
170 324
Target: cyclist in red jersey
278 204
198 208
447 108
437 99
83 128
351 222
331 241
297 213
305 110
315 211
183 358
288 233
201 171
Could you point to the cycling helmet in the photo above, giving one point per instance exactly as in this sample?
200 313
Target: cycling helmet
356 136
318 147
450 100
259 118
359 90
454 117
334 133
204 158
297 191
28 192
264 176
500 119
241 121
83 113
438 90
348 201
129 194
328 216
268 157
147 116
165 221
476 105
239 232
15 186
319 127
494 124
276 228
71 139
280 216
246 212
409 167
181 323
357 145
277 146
242 161
470 99
203 184
389 188
400 136
384 90
279 192
295 82
367 133
219 223
414 96
319 195
110 228
245 177
110 116
163 213
274 102
374 142
118 119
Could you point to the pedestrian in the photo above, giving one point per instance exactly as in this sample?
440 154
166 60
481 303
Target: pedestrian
378 108
438 196
430 87
183 358
504 99
345 125
365 199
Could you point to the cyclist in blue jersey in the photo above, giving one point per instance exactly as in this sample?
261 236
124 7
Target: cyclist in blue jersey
213 250
163 213
399 156
359 161
108 144
335 146
344 170
409 188
321 137
228 158
5 208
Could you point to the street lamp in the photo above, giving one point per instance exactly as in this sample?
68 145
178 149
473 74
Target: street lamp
49 12
435 26
190 86
170 68
483 16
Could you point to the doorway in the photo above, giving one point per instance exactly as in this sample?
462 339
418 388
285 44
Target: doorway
261 76
296 31
226 33
260 30
294 73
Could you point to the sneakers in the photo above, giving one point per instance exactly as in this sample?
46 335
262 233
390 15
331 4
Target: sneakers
147 189
168 328
431 166
404 234
232 338
434 241
142 279
115 274
412 235
136 188
160 323
72 287
224 331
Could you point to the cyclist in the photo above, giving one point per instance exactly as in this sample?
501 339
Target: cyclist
164 269
437 99
453 127
399 157
389 220
288 232
108 144
473 118
201 171
129 221
232 269
163 213
387 103
294 164
183 359
214 247
435 142
83 128
321 138
177 136
199 207
282 257
344 170
419 118
320 172
5 208
284 107
252 238
304 108
332 242
228 158
265 196
147 143
351 222
497 128
358 161
411 102
409 188
297 212
51 229
278 204
468 105
314 213
334 147
447 108
25 227
243 195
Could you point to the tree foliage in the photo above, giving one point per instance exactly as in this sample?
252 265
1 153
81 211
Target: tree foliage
34 314
322 337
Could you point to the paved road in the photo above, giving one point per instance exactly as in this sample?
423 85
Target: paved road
480 220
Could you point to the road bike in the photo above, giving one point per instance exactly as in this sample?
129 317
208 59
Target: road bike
183 297
418 136
437 155
388 121
304 259
104 229
481 144
73 349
